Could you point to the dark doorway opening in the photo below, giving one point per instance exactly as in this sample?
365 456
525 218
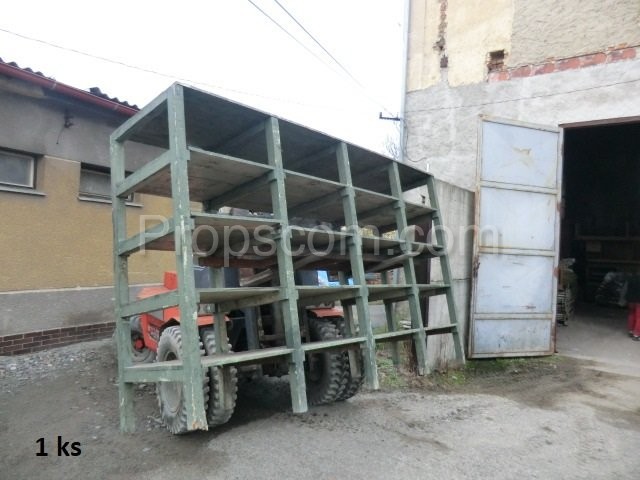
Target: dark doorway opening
601 230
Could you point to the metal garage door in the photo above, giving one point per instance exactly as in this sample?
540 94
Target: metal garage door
516 245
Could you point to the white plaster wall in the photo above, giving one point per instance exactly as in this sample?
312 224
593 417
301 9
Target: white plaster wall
442 122
440 349
456 206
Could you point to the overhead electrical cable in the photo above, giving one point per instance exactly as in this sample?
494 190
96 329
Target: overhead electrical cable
164 75
297 40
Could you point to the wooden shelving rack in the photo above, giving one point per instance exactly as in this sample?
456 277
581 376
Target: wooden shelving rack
223 154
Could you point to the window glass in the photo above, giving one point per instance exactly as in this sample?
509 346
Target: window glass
16 169
94 183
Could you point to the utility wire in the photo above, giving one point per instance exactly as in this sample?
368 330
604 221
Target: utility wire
165 75
297 40
274 21
342 67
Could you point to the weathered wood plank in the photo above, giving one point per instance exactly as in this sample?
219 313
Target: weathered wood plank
187 298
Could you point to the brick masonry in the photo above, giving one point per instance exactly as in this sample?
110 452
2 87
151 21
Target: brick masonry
560 65
44 339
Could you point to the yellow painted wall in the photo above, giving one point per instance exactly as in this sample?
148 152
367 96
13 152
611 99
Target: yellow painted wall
544 29
530 31
59 241
473 30
423 68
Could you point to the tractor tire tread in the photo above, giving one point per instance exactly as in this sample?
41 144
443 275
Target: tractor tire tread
352 385
219 410
176 422
333 376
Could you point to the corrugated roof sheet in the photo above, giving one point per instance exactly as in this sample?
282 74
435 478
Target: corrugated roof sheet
95 91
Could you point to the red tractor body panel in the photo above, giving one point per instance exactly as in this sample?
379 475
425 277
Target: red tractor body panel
153 323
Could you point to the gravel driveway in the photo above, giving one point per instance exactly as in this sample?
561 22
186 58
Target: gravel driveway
558 418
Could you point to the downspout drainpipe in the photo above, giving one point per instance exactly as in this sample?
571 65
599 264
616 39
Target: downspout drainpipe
53 85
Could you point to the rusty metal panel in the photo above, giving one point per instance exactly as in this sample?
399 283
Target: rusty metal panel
516 244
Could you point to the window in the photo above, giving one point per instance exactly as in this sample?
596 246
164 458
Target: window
95 184
17 169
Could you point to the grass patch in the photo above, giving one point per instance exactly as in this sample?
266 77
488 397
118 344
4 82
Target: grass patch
390 377
475 372
496 366
507 368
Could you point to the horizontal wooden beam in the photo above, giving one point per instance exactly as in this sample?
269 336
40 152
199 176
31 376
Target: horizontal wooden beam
441 329
249 302
395 335
145 116
250 356
143 175
137 242
166 374
172 371
267 275
329 294
333 344
149 304
236 262
391 262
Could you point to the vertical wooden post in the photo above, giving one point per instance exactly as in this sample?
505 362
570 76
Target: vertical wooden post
289 295
391 323
121 282
350 331
354 245
188 302
446 268
420 337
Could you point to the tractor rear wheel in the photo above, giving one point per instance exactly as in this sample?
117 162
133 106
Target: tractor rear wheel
140 353
324 371
352 384
221 404
171 397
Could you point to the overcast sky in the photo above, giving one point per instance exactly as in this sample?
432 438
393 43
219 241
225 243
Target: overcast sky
230 48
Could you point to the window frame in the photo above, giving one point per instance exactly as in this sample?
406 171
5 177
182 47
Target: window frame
32 170
98 198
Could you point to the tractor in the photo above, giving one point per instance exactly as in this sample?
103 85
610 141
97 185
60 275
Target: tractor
155 336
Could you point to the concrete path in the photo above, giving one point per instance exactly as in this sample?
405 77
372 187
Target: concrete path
600 334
